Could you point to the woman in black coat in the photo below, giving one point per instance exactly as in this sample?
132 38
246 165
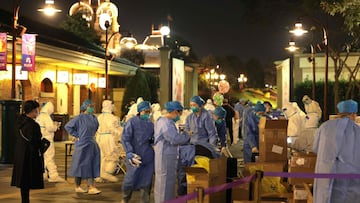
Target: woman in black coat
28 160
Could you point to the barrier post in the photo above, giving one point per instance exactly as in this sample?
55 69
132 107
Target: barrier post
257 188
200 194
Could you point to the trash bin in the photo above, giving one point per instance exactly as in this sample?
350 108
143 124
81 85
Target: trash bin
61 134
10 110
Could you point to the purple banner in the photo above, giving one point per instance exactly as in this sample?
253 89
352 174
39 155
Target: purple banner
3 51
28 52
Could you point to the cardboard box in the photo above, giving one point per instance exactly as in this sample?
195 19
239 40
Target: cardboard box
302 163
199 177
242 192
272 140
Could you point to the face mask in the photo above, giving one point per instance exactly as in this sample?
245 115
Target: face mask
218 121
90 110
176 118
194 109
145 117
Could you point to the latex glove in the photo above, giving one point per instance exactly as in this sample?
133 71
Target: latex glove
134 159
254 150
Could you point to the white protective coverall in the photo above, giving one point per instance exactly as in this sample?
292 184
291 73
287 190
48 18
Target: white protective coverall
305 140
209 105
156 112
108 136
337 147
48 128
311 106
296 121
133 109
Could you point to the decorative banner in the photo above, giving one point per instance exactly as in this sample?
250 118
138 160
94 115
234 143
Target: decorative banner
178 80
3 51
28 52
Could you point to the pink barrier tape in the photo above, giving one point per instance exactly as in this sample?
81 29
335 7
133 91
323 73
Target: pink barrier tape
313 175
218 188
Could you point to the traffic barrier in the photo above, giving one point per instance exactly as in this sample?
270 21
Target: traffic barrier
200 192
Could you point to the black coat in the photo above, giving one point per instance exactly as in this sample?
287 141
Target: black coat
28 161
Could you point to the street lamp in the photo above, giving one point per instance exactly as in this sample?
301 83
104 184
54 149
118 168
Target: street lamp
214 77
105 22
242 79
16 7
165 31
299 31
292 47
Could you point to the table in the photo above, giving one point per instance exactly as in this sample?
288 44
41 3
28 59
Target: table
68 149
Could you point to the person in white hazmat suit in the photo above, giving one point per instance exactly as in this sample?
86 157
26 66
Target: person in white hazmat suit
48 128
133 109
156 112
296 121
108 135
337 147
305 141
209 105
311 106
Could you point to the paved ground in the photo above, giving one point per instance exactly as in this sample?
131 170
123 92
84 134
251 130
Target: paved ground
64 192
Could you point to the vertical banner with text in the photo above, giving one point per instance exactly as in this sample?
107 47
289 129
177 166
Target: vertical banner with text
3 51
28 52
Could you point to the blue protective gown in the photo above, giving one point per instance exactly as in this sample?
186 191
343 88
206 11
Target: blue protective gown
221 130
136 139
167 141
252 134
86 158
337 146
201 129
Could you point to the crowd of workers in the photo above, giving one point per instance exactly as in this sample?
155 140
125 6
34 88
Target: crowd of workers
164 142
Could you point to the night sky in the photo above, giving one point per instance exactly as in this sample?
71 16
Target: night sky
218 27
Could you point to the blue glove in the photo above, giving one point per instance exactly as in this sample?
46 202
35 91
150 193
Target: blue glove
129 155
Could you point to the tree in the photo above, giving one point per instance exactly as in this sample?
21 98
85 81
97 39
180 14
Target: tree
142 84
77 25
133 55
349 10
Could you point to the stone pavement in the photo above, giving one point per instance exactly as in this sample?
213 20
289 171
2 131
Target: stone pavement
64 192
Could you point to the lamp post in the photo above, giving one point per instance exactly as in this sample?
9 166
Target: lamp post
105 22
48 10
242 79
299 31
165 68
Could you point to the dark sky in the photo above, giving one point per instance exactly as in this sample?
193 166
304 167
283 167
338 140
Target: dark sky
218 27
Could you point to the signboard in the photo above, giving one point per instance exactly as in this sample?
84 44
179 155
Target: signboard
81 79
62 76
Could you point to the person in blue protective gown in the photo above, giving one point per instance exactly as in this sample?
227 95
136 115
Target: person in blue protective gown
337 147
86 158
167 141
137 140
251 142
200 124
219 118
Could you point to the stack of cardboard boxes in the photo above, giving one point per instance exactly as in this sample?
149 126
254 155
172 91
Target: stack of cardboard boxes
272 158
200 177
